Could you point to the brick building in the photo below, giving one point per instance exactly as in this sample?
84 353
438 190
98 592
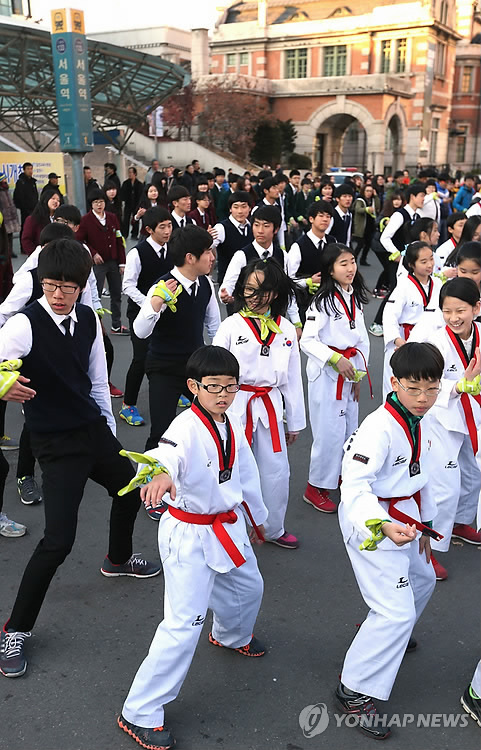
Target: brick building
369 84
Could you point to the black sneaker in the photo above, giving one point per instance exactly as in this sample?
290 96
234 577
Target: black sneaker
363 707
158 738
120 331
472 704
156 513
29 491
135 567
253 648
412 645
12 659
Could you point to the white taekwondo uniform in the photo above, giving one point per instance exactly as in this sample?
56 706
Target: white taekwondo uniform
333 412
403 310
198 571
272 365
395 582
456 482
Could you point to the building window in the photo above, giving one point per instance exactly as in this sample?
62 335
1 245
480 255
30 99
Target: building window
335 60
244 58
230 60
5 7
440 60
462 131
443 12
401 53
296 63
433 148
467 80
386 56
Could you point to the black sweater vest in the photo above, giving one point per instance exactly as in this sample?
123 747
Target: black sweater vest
57 366
340 227
251 254
37 290
152 269
234 241
177 335
310 256
401 238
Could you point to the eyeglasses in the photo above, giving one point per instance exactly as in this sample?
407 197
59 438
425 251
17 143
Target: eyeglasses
60 220
98 202
48 287
218 388
430 392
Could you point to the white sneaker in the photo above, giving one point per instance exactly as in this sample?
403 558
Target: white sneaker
375 329
10 528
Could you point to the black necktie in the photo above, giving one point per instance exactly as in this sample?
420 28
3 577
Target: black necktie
415 217
182 222
265 254
345 218
243 230
193 289
162 253
66 324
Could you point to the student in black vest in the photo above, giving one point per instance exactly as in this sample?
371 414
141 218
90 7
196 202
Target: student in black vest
265 224
342 218
180 200
145 264
233 233
173 316
67 410
304 257
394 239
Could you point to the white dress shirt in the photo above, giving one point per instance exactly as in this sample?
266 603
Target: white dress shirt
178 219
16 343
133 267
145 321
294 256
220 229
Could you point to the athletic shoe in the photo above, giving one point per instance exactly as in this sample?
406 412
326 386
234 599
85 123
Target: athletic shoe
412 645
10 528
135 567
115 392
253 648
375 329
319 499
183 402
8 444
131 415
363 707
379 293
156 513
29 491
158 738
289 541
441 573
120 331
12 658
472 704
466 533
105 293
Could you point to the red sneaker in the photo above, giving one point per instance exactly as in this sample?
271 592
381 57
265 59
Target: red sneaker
441 573
319 499
115 392
288 541
466 533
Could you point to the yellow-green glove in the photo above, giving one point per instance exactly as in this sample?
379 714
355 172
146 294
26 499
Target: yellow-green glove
358 376
473 387
312 286
298 324
383 223
374 526
119 234
300 218
9 372
334 360
146 474
170 298
441 276
101 312
395 255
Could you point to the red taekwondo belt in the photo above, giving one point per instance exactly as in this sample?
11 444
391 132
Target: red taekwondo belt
414 469
226 461
465 397
351 351
408 327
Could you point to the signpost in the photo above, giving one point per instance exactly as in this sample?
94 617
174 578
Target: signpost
70 62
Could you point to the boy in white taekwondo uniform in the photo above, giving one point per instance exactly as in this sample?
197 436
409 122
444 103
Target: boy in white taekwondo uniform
264 343
386 506
208 469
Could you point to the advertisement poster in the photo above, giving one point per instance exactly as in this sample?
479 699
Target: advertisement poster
43 163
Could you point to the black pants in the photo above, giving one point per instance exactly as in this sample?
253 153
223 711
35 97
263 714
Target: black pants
68 460
3 477
110 270
26 459
167 383
136 371
128 212
109 352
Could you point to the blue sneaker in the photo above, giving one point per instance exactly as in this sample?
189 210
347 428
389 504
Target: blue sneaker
183 402
131 415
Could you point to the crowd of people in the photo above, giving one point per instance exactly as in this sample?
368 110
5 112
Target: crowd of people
267 266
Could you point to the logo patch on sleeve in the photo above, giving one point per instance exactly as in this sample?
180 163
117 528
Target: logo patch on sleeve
168 442
360 457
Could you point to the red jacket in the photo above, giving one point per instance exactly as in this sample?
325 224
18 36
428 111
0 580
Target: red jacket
31 234
102 239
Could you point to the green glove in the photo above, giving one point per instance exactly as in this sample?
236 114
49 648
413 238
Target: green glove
312 286
170 298
374 526
146 474
101 312
395 255
358 376
441 277
383 223
9 373
334 360
473 387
